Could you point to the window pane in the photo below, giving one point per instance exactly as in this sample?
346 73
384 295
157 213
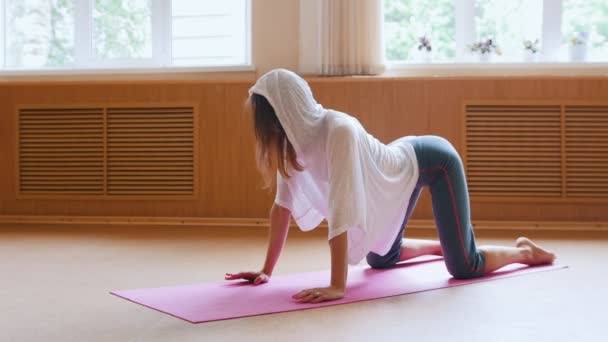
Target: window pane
122 29
509 23
208 33
39 33
591 17
407 20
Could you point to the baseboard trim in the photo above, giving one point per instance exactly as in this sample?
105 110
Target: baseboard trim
579 226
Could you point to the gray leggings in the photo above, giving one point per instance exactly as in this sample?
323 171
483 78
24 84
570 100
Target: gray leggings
442 170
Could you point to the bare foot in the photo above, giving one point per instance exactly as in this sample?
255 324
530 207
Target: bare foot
538 255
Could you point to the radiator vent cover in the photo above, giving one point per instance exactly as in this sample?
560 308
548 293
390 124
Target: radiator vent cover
61 151
548 152
135 152
514 150
586 151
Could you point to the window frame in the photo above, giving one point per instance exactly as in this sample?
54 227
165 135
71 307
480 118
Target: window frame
465 32
159 62
2 37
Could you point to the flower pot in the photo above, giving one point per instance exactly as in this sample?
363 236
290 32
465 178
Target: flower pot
485 57
577 52
425 55
530 56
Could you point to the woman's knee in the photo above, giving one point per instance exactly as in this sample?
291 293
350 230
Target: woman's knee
381 261
463 271
463 274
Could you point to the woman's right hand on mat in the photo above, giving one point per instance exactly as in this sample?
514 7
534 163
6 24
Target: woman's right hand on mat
256 278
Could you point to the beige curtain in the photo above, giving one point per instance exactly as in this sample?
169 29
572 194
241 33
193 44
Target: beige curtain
341 37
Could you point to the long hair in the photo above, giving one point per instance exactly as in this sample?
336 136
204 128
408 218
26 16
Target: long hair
273 149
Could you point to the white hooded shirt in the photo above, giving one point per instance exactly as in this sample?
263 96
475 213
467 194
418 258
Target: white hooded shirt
360 185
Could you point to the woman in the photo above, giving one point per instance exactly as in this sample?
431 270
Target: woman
328 167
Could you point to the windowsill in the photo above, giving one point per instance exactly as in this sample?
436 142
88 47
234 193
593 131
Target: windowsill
496 69
130 74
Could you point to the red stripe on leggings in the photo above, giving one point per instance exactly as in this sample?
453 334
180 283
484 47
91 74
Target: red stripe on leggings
445 171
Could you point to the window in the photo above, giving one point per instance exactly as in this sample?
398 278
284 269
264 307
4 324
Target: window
509 23
122 29
453 26
37 34
591 17
407 21
209 32
94 34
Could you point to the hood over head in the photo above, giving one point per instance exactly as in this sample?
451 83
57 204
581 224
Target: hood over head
297 110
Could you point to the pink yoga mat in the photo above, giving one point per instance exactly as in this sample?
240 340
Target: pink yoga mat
226 300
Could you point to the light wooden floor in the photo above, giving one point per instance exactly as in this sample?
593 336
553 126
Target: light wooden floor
55 283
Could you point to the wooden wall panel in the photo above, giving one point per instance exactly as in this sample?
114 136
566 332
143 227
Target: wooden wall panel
230 187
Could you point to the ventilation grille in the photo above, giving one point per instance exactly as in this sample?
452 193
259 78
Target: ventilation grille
61 151
587 151
136 152
514 150
150 151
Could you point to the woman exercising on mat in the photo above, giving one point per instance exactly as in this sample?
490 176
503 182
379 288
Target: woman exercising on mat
328 166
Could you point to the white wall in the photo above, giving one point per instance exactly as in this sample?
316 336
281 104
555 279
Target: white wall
275 34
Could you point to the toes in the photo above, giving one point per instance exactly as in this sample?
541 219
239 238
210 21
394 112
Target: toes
533 252
523 241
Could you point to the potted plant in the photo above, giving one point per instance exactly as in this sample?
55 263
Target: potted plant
425 50
531 50
577 47
484 49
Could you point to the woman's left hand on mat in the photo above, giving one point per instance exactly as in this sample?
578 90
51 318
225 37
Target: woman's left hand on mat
317 295
256 278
